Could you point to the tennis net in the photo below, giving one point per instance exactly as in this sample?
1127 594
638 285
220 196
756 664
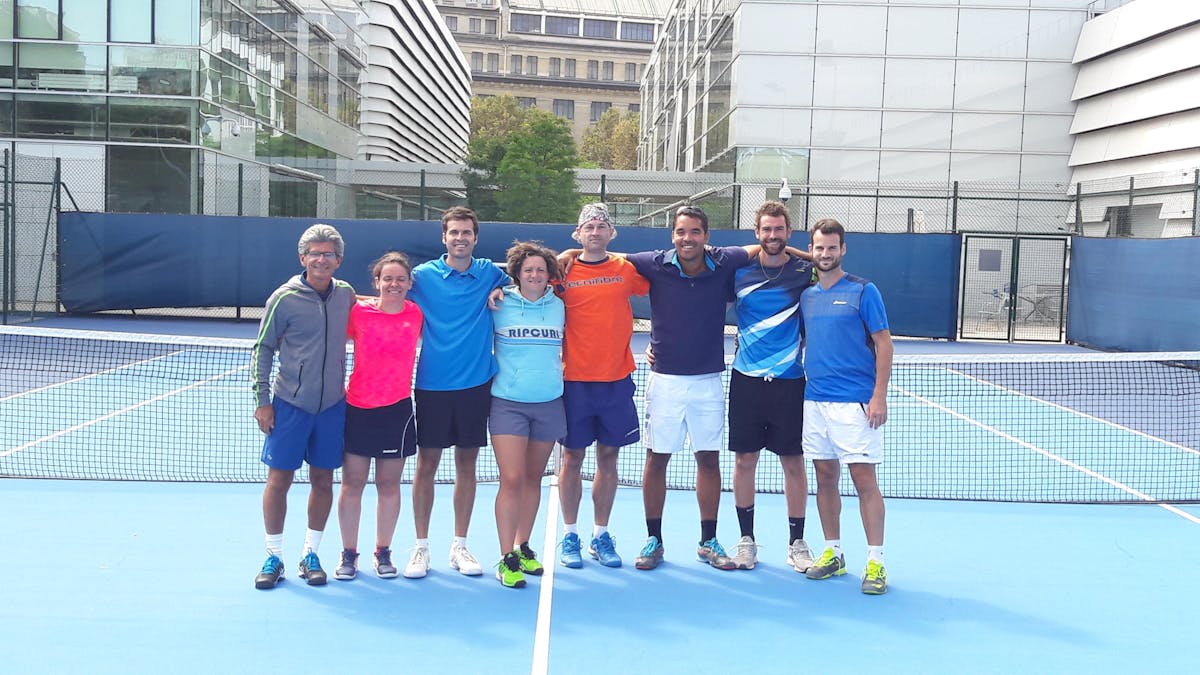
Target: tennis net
1089 427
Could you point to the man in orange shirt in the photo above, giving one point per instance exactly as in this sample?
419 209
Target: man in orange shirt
598 387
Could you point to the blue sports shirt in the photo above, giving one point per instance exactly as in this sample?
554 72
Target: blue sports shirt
839 354
768 315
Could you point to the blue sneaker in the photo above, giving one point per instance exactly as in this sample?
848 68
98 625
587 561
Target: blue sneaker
570 546
310 570
271 574
604 549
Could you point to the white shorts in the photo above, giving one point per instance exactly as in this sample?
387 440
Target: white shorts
682 407
840 431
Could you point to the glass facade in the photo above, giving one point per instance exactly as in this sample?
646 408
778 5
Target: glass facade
176 91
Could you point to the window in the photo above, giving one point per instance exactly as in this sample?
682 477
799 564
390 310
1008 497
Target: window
493 63
525 23
635 107
593 70
598 108
555 66
561 25
452 23
599 28
489 26
531 65
608 70
630 72
638 32
514 64
569 68
476 25
564 108
476 61
526 101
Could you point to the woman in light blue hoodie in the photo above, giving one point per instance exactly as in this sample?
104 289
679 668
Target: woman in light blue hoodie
527 415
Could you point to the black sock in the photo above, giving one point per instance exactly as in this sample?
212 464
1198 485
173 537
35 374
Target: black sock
654 528
708 530
746 520
795 529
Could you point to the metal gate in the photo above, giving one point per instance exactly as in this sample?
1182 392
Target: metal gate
1013 288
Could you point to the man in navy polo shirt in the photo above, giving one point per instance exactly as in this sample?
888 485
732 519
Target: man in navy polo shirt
454 380
689 288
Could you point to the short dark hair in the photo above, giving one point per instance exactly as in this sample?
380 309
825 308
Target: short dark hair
389 258
830 226
773 208
520 250
692 212
460 213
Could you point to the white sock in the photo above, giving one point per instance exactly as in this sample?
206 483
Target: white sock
312 541
571 528
875 553
423 543
598 530
275 544
460 541
836 545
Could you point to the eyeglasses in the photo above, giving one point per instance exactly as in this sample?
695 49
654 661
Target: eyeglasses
317 255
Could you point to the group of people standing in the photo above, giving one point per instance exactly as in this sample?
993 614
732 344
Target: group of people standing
546 359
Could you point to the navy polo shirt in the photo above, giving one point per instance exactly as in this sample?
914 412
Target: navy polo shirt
687 314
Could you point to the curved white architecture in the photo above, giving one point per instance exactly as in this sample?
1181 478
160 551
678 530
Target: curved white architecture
416 93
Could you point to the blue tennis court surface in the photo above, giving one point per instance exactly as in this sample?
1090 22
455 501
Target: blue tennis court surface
108 577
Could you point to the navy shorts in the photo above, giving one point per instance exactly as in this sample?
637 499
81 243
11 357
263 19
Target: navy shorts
600 412
300 437
384 432
766 414
457 417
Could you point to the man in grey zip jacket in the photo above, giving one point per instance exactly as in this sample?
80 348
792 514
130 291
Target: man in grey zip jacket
304 325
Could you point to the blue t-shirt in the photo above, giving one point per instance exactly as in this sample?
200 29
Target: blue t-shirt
687 314
839 354
456 340
529 337
768 316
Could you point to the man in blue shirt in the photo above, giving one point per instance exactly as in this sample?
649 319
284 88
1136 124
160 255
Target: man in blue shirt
766 386
454 380
848 359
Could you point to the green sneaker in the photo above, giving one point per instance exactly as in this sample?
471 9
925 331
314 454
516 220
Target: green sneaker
828 565
508 571
874 578
529 563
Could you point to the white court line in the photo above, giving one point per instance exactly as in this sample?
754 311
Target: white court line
1062 460
541 635
89 376
1073 411
115 413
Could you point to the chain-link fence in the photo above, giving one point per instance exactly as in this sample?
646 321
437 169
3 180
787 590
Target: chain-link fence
1153 205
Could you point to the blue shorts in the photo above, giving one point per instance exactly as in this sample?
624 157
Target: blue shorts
300 437
601 412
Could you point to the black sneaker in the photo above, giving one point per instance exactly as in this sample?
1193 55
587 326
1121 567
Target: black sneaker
271 574
348 568
384 569
310 570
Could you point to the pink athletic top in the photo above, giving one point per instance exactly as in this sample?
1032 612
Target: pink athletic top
385 351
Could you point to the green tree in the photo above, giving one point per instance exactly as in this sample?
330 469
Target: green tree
519 163
611 143
536 175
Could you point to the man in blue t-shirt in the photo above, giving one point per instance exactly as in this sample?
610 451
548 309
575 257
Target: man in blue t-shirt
848 360
766 386
454 380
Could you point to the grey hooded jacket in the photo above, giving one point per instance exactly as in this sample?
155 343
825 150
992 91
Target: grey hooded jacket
309 336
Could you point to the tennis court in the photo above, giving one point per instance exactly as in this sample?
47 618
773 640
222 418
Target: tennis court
147 557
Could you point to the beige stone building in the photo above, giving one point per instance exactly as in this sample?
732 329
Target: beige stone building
574 58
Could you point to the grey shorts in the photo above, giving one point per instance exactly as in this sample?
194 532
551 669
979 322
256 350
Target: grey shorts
535 421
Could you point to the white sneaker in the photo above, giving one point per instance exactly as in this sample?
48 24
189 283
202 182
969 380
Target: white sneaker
745 553
799 556
462 560
418 563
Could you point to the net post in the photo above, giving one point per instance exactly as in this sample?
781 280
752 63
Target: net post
5 282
